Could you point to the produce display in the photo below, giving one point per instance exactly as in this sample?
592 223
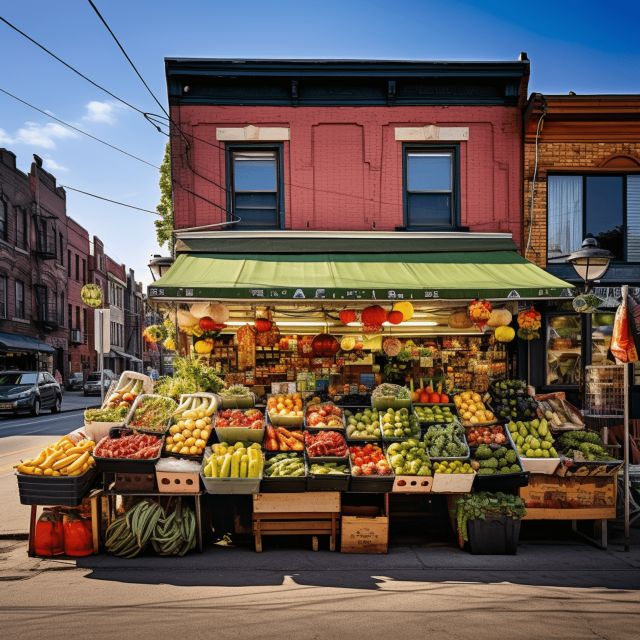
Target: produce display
487 461
472 409
558 414
117 414
486 435
63 458
446 442
152 413
190 432
409 458
124 397
399 423
532 439
281 439
363 425
394 391
137 446
285 405
426 395
325 444
452 466
191 375
584 446
435 414
285 465
328 469
234 461
237 391
324 416
251 418
368 460
511 400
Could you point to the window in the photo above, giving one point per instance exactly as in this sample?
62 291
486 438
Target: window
3 296
4 217
254 184
430 187
77 325
564 340
68 263
20 310
60 249
61 310
41 302
70 316
77 267
604 206
85 324
84 271
22 228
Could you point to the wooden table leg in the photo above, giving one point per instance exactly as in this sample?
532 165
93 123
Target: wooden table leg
95 523
199 522
314 543
32 530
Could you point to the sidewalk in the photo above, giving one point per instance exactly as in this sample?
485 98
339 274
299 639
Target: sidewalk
75 400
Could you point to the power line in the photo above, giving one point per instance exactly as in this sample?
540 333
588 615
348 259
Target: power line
74 128
123 204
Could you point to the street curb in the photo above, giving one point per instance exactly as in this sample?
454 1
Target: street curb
14 536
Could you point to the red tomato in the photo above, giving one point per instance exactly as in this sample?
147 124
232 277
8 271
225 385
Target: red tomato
358 461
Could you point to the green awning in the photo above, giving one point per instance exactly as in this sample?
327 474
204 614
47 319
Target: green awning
22 344
362 276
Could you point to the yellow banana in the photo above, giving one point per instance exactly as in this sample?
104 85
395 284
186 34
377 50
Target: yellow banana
48 472
42 456
38 471
66 461
24 468
78 463
51 459
56 473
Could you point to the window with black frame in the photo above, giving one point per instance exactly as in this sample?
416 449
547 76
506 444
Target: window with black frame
430 182
254 187
4 217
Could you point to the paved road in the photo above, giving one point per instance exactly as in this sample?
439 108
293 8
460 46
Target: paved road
46 424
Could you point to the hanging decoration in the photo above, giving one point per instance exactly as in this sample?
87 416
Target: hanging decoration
347 316
529 322
200 309
186 319
218 312
479 311
264 319
325 345
374 315
586 303
391 346
348 343
505 333
460 320
203 347
305 348
500 318
268 338
405 308
152 333
395 316
91 295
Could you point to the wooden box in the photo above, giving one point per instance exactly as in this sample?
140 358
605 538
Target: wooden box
412 484
309 502
574 498
178 482
364 530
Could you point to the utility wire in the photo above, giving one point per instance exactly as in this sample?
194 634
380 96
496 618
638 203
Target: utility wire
123 204
74 128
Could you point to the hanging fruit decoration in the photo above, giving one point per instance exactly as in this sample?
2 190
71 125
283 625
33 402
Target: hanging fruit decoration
200 309
91 295
203 347
392 346
460 320
395 316
263 325
479 311
305 348
348 343
405 308
207 324
505 334
500 318
529 322
348 316
372 318
325 345
153 333
218 313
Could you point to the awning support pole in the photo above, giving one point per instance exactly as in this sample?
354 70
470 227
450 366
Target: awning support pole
627 536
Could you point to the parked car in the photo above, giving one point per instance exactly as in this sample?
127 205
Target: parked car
29 392
92 384
75 382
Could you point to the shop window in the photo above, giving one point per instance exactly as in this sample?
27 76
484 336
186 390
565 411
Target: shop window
430 187
255 186
606 207
3 296
20 310
564 348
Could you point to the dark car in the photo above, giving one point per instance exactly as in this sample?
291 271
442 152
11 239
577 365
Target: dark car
28 392
74 383
92 384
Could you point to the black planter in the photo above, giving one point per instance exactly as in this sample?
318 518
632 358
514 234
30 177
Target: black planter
496 535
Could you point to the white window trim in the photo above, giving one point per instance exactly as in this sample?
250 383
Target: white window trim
251 133
430 133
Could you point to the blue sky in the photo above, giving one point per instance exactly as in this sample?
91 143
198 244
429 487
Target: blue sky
586 47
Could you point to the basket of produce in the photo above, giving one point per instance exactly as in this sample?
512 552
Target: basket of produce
130 385
497 468
98 422
452 476
237 396
561 415
232 468
510 400
239 425
177 475
494 436
284 473
411 465
192 426
328 446
125 451
363 425
534 443
386 396
446 442
61 474
281 439
286 410
328 476
370 469
325 415
584 454
151 413
399 424
435 413
472 410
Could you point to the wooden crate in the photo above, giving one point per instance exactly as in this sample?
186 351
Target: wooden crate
365 528
412 484
310 502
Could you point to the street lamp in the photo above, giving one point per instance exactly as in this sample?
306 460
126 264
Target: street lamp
159 265
590 262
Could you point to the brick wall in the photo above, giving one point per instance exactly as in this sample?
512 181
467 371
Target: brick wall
343 166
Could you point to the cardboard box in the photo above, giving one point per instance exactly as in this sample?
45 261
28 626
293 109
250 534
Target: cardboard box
364 532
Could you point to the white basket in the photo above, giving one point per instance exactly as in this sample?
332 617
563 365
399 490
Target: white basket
452 482
125 377
546 466
135 405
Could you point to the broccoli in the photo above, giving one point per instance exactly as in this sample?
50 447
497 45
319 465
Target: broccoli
511 456
483 452
491 463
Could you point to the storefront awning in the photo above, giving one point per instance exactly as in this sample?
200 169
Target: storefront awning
453 275
14 342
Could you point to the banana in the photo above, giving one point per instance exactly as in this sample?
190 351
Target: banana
51 459
65 462
79 462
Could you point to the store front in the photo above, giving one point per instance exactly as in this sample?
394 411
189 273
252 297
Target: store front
25 353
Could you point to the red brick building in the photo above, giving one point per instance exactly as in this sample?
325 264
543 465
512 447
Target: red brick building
359 145
117 359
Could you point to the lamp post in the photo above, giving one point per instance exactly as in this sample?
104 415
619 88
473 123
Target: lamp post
590 262
159 265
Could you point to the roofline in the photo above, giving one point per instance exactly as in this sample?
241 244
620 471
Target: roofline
350 235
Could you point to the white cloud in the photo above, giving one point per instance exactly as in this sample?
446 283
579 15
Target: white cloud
40 135
5 138
100 112
52 165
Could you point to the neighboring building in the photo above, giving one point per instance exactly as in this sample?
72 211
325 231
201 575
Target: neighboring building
348 145
97 275
79 316
117 359
133 321
587 182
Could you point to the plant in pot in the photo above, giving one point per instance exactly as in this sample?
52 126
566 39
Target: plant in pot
489 522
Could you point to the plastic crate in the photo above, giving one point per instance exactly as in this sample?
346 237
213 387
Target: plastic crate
284 484
383 403
229 486
496 535
371 484
162 429
233 402
326 482
60 490
126 465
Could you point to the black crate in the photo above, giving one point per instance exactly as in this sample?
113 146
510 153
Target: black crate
59 490
371 484
279 484
496 535
501 481
328 482
127 465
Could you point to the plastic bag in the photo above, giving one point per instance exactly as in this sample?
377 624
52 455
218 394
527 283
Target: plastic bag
622 345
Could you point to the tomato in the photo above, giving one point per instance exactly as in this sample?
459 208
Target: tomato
358 461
